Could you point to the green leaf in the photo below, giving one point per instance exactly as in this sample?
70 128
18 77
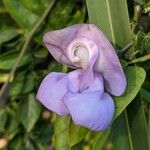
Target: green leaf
143 42
61 128
100 140
129 128
41 53
23 83
38 145
8 60
16 143
78 17
29 112
145 94
7 34
139 39
139 1
146 43
12 127
135 78
138 125
104 13
76 134
3 119
123 63
119 138
36 6
25 18
45 132
2 8
146 85
12 123
148 126
27 145
63 8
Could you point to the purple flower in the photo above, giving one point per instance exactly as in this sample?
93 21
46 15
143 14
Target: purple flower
80 93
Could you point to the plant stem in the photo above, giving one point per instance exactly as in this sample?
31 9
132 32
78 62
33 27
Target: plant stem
141 59
64 69
25 46
124 49
128 129
148 128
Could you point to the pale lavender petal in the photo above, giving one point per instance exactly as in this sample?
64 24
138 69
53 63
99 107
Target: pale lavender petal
59 42
96 85
51 92
94 82
74 80
108 64
90 110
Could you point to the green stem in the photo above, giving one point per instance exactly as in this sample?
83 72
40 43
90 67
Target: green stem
125 48
128 128
64 69
25 46
141 59
3 10
149 126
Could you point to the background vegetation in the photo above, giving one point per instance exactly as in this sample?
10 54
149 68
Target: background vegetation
24 123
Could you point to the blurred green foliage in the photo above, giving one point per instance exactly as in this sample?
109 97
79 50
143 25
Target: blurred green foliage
24 123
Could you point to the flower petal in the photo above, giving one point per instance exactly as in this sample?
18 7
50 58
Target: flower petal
51 92
74 80
94 82
90 110
58 41
96 85
108 64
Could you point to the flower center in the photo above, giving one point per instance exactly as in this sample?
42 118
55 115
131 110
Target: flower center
82 52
